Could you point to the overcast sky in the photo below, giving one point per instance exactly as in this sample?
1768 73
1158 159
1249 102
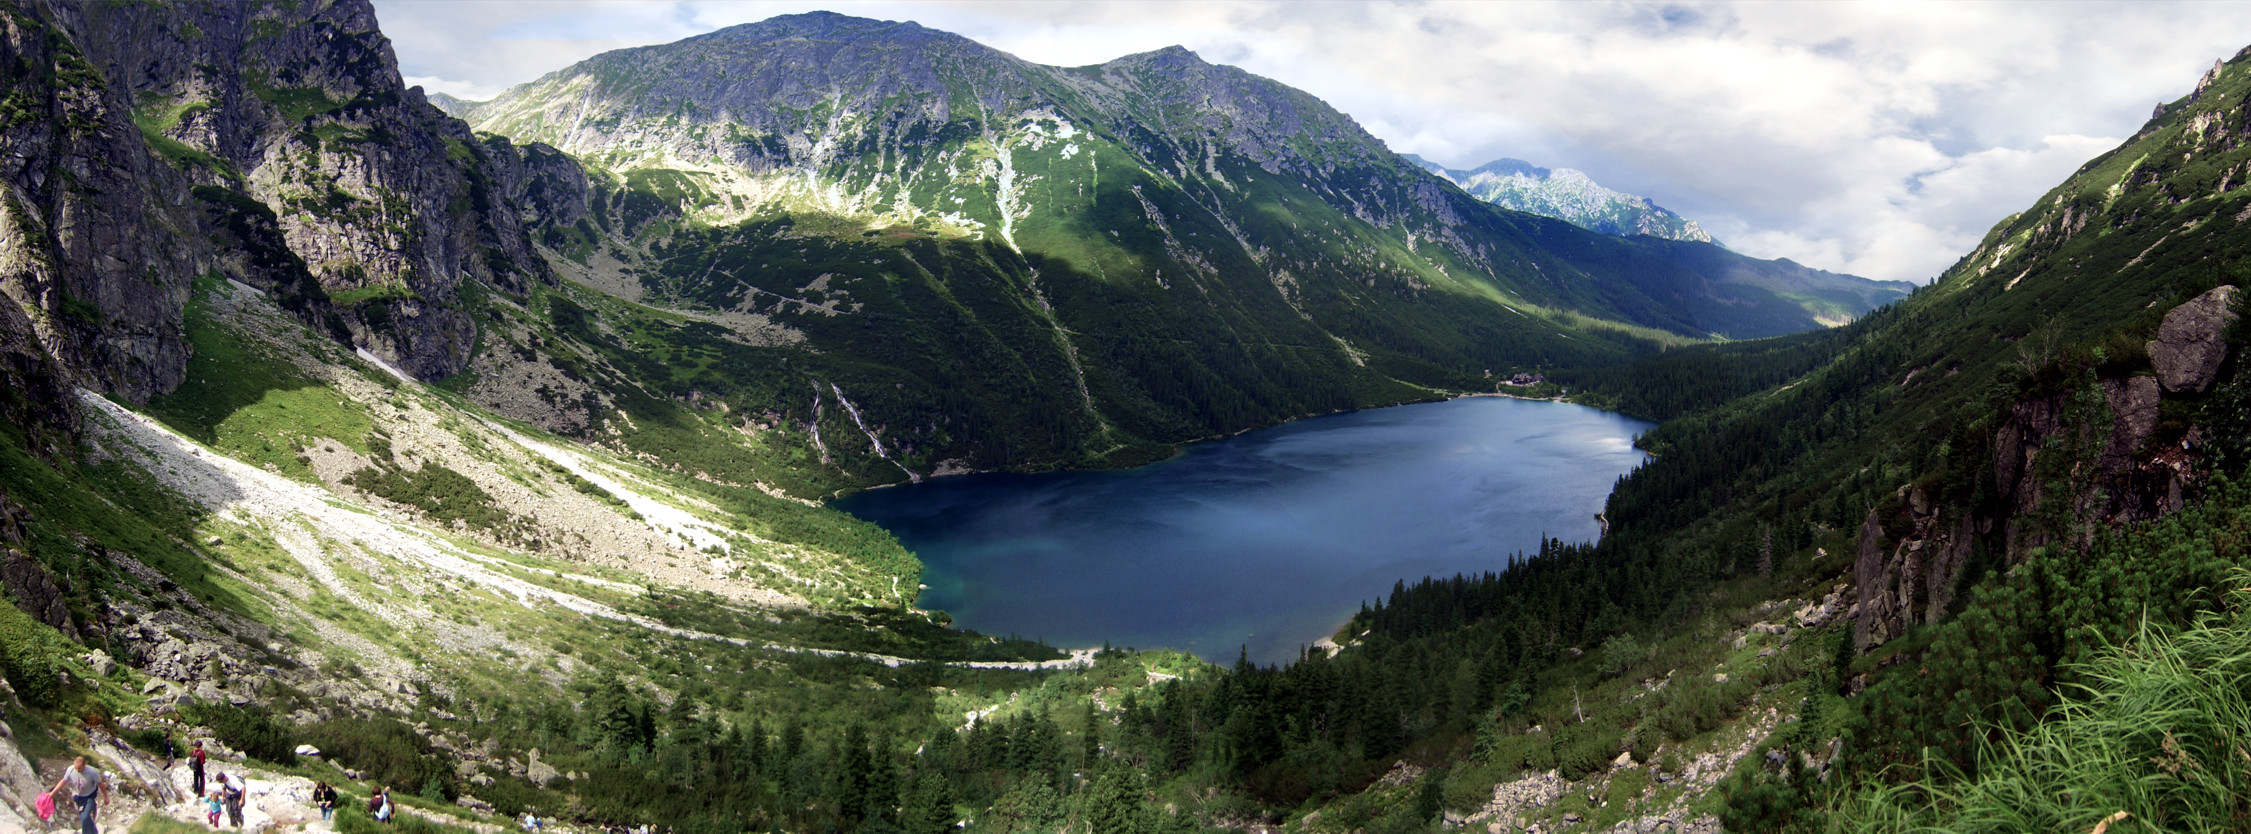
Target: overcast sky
1879 139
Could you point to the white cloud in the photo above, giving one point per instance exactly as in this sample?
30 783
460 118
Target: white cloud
1881 139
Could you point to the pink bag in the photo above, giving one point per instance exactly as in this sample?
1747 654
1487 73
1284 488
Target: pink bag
45 806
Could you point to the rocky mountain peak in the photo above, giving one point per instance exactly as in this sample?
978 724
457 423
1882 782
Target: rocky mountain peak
825 25
1171 57
1506 167
1569 195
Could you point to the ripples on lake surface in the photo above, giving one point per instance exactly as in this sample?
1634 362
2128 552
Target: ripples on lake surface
1268 540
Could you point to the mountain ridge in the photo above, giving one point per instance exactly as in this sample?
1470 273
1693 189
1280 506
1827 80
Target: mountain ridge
1277 129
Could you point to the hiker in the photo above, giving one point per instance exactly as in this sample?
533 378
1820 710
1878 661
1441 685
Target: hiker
211 807
379 804
230 795
195 764
326 797
87 788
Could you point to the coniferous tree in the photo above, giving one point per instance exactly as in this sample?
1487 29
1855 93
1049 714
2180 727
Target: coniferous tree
1090 745
882 800
1113 802
1766 551
929 805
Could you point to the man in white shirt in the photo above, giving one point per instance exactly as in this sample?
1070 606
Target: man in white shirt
87 786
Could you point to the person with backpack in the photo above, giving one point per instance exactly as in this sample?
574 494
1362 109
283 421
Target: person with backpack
195 764
87 788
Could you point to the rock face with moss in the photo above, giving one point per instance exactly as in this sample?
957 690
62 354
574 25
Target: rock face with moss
365 204
96 245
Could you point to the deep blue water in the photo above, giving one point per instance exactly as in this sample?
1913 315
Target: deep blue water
1267 540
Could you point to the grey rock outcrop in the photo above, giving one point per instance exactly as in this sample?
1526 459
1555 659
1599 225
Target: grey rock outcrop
25 580
2192 342
1872 576
2134 405
37 398
547 188
19 786
539 772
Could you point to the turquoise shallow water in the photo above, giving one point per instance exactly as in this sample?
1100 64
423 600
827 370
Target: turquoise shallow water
1265 541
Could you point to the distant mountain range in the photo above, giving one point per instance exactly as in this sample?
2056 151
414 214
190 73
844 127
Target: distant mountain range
1568 195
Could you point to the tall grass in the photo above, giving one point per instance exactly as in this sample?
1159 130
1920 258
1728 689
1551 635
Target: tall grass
2160 730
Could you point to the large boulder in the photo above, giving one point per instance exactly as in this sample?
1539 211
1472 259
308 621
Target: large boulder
2193 341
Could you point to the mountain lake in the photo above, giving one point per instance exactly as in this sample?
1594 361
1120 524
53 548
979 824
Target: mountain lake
1263 542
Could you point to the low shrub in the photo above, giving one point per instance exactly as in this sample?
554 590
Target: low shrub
386 750
148 739
1582 749
31 656
251 730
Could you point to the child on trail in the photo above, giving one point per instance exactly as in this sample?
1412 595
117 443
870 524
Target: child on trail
87 788
211 807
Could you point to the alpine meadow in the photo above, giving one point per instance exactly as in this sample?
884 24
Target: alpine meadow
484 461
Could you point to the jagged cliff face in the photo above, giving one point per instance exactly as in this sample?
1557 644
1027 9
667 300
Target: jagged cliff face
386 205
1569 195
97 241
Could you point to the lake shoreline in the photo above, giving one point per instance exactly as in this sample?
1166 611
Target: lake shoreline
1273 540
1182 446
